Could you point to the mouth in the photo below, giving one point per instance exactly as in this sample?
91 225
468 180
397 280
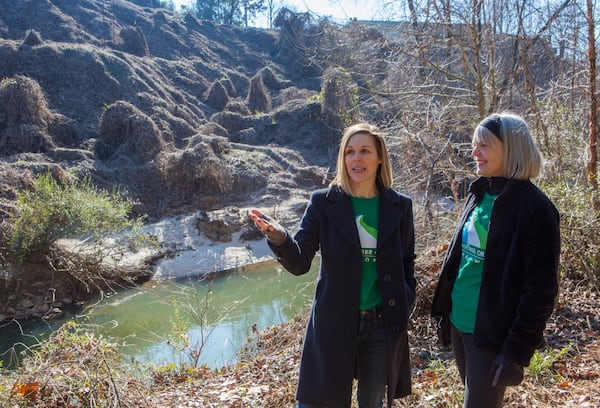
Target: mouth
359 169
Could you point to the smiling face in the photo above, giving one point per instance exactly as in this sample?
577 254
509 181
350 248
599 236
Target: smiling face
489 156
362 161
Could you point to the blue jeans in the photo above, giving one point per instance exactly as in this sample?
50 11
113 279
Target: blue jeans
371 360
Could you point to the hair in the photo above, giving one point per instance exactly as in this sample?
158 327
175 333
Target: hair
522 159
384 171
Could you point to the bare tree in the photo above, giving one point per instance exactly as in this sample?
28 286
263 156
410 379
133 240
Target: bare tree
270 8
592 165
430 78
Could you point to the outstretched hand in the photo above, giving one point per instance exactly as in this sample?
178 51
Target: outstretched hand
274 232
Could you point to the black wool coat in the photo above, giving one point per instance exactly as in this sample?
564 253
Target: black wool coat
328 358
520 271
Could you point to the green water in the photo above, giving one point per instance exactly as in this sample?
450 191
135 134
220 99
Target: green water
215 316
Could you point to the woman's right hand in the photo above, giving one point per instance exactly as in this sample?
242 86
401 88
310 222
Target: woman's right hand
274 232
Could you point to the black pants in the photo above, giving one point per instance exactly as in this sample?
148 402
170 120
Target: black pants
474 366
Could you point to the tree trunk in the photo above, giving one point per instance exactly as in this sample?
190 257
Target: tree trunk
592 165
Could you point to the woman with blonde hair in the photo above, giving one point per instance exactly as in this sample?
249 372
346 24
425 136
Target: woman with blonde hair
499 278
366 285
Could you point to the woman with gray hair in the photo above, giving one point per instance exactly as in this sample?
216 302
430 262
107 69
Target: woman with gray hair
499 278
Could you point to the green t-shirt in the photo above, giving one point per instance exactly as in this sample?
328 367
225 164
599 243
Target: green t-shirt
465 294
366 216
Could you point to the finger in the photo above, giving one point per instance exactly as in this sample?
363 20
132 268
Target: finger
261 224
257 214
255 219
267 217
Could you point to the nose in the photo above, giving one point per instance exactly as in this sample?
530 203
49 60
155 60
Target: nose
475 151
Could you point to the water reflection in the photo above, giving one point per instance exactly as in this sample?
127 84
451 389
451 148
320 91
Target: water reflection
215 315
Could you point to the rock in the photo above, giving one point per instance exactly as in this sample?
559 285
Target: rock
54 313
217 230
39 310
26 303
66 301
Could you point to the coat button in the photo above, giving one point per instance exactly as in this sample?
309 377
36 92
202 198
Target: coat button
392 302
387 277
396 328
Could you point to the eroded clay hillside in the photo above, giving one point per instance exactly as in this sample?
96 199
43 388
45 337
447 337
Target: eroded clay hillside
181 113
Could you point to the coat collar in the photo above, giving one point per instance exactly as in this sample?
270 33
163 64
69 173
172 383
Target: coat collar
496 185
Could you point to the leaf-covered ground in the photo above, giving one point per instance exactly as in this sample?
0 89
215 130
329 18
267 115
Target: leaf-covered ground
76 369
566 373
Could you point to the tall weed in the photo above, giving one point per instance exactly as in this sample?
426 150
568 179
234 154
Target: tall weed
543 361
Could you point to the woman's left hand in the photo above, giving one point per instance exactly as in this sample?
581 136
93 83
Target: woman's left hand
505 372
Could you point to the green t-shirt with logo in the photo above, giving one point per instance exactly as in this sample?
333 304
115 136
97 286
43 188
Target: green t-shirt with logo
465 294
366 216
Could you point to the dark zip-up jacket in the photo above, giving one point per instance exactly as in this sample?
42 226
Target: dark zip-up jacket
520 271
328 357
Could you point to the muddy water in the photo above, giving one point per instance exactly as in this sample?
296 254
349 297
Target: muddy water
163 322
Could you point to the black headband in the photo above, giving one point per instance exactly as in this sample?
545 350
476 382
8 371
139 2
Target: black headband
493 124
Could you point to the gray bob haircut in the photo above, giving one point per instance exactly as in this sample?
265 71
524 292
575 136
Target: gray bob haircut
522 159
384 172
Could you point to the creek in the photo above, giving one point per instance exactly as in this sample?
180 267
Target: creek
214 316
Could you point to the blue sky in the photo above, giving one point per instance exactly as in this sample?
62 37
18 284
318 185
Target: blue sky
341 10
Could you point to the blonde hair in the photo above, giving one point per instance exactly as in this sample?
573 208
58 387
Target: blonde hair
522 159
384 171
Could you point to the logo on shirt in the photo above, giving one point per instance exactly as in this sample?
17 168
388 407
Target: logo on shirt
368 239
474 238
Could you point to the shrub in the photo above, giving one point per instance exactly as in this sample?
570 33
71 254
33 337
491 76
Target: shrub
32 38
134 41
217 96
74 367
53 210
126 132
580 230
340 101
258 97
24 117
